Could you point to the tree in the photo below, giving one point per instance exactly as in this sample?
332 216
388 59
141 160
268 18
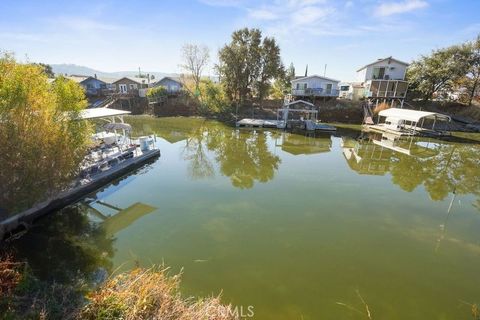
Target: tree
438 71
41 145
195 59
248 65
473 74
271 67
47 69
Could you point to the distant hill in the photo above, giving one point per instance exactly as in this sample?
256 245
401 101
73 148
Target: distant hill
70 69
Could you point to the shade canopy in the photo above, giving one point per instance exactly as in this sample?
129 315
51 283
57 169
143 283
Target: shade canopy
412 115
96 113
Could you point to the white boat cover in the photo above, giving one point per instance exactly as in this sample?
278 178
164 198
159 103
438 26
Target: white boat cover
412 115
94 113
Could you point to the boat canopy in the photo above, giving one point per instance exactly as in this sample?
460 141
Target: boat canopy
96 113
412 115
306 103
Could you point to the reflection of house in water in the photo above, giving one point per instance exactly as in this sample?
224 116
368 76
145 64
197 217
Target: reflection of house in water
172 136
373 155
409 146
121 218
303 144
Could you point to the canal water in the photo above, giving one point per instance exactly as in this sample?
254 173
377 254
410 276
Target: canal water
296 226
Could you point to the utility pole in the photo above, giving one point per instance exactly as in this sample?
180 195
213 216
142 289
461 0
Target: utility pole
325 70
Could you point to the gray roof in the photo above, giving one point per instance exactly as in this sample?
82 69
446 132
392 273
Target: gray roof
315 76
134 79
176 79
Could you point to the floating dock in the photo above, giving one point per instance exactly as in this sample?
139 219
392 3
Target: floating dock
259 123
280 124
63 199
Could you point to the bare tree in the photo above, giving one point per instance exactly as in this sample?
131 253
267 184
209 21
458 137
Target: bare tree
195 59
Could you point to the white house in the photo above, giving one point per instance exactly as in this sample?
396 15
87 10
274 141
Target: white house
315 86
383 69
384 79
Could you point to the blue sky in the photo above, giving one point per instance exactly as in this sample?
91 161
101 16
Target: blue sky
125 35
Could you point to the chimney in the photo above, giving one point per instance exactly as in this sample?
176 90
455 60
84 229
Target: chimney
95 76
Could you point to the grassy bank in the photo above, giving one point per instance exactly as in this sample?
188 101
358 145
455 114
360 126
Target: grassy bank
138 294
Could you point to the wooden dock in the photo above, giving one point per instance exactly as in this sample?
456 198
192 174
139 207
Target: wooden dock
63 199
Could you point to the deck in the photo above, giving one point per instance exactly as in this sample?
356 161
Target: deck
279 124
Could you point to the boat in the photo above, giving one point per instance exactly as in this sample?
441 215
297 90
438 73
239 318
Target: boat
113 154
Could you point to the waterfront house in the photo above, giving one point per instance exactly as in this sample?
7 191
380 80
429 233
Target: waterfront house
171 84
130 85
384 79
314 86
93 86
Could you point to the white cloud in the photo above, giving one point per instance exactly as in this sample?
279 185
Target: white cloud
84 24
223 3
262 14
391 8
310 15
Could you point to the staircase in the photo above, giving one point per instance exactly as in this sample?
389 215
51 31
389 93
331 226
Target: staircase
105 103
367 114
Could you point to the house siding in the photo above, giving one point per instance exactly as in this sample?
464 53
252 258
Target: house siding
393 71
131 86
317 85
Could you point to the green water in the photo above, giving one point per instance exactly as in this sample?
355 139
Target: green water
299 227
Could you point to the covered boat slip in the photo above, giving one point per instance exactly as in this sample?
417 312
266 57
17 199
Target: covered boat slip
409 122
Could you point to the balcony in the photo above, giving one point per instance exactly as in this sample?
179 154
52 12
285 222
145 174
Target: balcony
386 89
315 92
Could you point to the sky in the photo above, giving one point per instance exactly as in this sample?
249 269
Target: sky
125 35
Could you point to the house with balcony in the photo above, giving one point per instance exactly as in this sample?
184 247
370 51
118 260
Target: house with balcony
314 86
130 85
384 80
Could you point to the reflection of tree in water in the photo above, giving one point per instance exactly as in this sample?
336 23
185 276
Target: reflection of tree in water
65 246
242 156
245 157
448 167
195 151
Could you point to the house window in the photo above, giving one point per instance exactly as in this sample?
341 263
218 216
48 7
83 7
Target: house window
378 72
133 86
298 86
344 88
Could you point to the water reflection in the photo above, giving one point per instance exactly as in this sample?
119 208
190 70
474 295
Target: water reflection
297 144
243 156
439 166
66 246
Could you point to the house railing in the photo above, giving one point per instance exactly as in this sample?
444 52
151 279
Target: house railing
318 92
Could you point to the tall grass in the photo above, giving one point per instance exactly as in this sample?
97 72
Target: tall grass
150 294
